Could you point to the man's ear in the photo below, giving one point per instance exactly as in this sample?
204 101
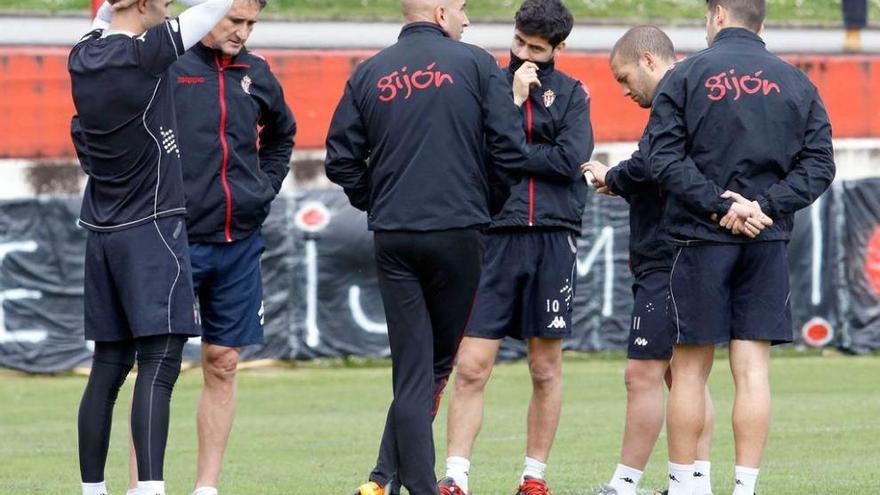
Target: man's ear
440 14
142 6
721 17
559 49
650 61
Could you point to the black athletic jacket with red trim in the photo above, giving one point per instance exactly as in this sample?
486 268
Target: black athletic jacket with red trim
407 139
236 138
552 191
750 123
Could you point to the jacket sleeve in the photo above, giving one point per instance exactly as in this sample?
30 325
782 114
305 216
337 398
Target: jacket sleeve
812 172
573 146
277 131
502 120
631 174
668 161
348 150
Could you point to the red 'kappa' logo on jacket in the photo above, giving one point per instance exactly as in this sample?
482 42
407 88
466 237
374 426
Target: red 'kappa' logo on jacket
401 81
720 84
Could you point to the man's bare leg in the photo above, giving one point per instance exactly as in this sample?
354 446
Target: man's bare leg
545 367
473 367
644 410
749 362
216 410
686 412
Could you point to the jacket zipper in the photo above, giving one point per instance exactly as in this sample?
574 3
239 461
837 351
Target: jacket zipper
531 179
227 227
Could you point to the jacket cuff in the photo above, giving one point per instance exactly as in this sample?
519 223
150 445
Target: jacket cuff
766 208
723 207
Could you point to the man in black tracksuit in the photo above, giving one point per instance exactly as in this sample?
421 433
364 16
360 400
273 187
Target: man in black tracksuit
236 139
527 282
422 112
758 141
639 61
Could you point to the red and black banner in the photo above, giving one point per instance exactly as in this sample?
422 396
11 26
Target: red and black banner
322 300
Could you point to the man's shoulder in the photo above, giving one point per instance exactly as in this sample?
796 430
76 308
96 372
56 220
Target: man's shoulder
568 82
256 60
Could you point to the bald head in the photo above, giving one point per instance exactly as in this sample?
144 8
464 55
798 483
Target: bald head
420 10
448 14
640 40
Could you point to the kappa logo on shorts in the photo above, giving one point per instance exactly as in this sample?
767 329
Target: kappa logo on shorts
557 323
641 341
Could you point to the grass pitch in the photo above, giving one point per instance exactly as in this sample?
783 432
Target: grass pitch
314 430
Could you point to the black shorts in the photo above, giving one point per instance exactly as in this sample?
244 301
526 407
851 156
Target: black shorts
526 286
724 292
138 282
229 286
649 335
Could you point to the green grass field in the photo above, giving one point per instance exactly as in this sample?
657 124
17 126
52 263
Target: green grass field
780 11
314 430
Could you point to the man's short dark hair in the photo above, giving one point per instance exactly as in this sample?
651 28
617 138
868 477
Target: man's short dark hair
641 39
750 13
548 19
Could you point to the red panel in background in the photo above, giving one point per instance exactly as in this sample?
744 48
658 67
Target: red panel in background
35 106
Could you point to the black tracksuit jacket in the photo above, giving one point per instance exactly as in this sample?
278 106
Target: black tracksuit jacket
236 139
406 141
552 191
649 247
750 123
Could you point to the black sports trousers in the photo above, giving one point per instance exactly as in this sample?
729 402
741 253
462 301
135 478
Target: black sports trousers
428 281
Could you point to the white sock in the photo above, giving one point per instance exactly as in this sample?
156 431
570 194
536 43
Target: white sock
457 468
533 468
151 487
681 479
205 490
746 479
702 477
625 480
94 488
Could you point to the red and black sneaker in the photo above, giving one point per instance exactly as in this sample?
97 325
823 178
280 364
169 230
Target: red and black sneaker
533 486
448 486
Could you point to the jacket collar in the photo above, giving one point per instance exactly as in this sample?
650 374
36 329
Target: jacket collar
422 27
544 68
211 56
737 33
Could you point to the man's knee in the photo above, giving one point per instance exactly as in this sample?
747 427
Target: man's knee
472 372
642 376
546 371
220 363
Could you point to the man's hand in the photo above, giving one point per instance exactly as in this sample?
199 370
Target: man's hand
595 173
524 79
123 4
744 217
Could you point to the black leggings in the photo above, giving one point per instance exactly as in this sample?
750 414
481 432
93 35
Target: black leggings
158 359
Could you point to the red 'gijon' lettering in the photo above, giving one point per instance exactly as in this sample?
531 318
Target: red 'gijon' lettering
401 82
728 82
